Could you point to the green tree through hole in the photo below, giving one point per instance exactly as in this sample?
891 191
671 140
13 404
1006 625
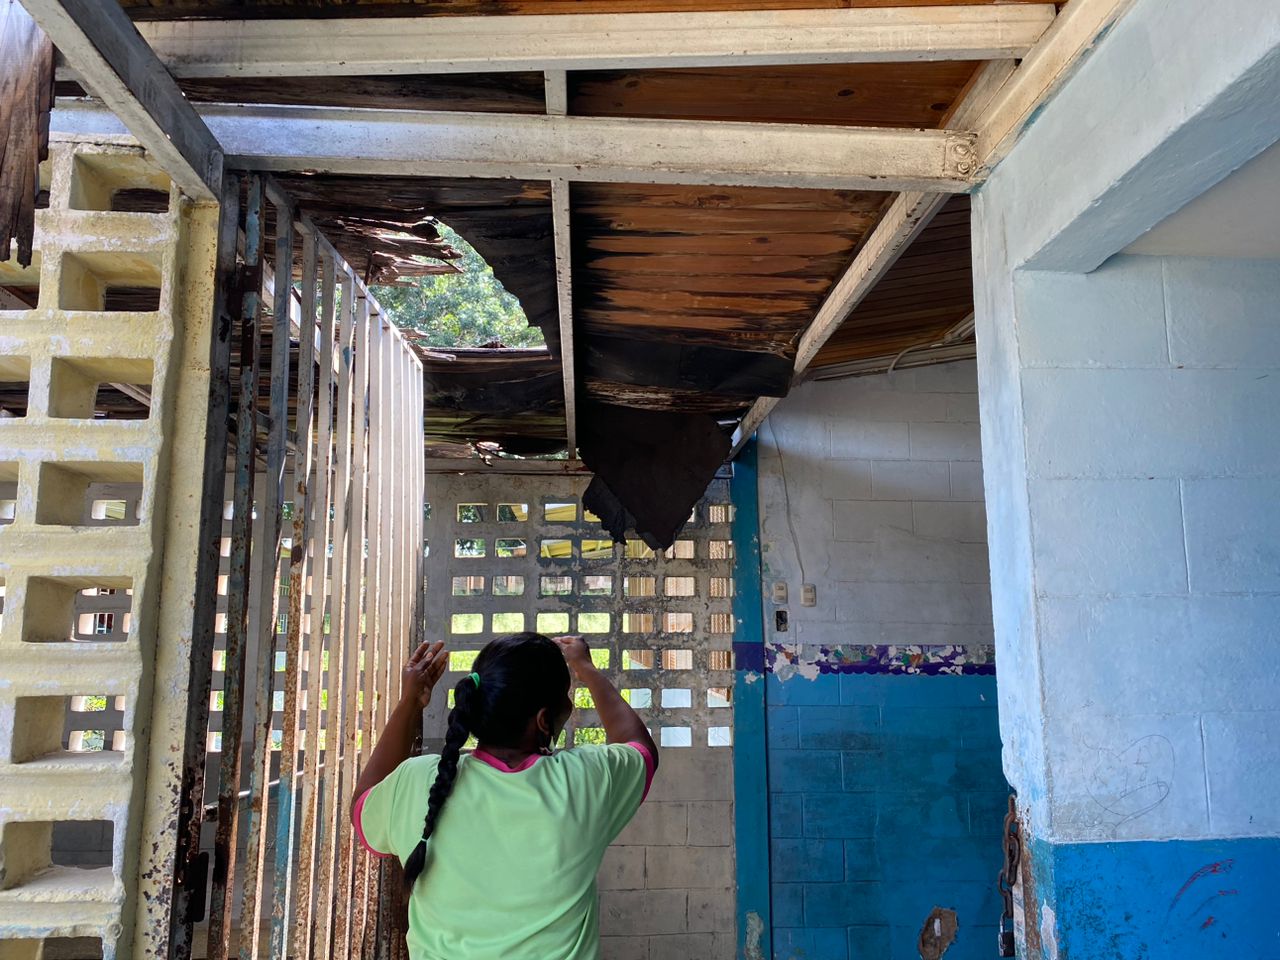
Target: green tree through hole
467 309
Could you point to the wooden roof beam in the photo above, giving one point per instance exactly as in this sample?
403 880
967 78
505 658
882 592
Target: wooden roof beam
557 105
379 46
597 149
97 38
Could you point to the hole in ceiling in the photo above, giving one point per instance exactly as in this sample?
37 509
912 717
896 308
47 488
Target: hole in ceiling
469 308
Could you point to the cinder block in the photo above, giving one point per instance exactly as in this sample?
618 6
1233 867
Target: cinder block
694 775
788 904
839 815
809 944
801 691
711 911
711 824
782 728
867 440
945 441
861 860
786 815
894 406
686 868
924 815
643 912
966 481
1232 530
622 869
910 480
842 904
681 947
958 377
916 603
839 728
624 948
846 479
906 558
1149 423
1242 755
804 771
1114 316
871 942
868 520
656 824
806 861
966 522
1108 537
1223 312
962 407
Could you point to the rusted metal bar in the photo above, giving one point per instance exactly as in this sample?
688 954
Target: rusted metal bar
191 867
343 940
298 566
224 844
329 888
268 589
310 849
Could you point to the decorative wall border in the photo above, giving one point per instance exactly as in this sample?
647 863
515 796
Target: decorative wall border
930 660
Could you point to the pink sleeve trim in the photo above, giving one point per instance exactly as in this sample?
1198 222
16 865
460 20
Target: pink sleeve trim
650 767
355 822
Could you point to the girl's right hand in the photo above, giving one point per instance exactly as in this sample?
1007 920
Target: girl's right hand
577 654
422 672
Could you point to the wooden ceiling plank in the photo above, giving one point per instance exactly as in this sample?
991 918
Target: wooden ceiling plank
116 64
444 143
906 217
593 41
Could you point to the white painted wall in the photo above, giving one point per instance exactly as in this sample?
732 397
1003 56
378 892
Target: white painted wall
881 506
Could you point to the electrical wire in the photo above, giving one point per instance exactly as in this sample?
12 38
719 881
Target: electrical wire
786 496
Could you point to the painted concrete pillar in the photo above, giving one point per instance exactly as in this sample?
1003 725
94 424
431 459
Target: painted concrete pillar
1132 471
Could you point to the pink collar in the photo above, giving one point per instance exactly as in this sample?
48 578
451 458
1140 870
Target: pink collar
484 756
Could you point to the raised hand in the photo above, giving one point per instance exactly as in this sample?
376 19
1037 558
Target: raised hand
423 671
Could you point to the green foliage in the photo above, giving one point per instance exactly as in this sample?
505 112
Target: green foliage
467 309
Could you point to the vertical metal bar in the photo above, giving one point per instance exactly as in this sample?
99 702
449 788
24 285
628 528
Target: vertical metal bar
394 522
329 888
355 609
224 845
303 484
750 760
268 588
319 504
189 876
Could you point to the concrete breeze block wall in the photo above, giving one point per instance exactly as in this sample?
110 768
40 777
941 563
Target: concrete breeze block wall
886 795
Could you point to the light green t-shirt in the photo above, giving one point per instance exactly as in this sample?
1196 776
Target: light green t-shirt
511 867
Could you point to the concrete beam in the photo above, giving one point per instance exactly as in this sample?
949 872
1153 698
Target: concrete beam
97 38
361 46
599 149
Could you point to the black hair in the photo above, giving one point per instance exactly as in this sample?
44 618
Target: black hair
519 675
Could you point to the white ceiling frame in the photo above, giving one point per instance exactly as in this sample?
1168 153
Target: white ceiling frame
557 105
412 143
115 63
381 46
906 217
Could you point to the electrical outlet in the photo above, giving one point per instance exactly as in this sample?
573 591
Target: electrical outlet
780 621
808 595
780 592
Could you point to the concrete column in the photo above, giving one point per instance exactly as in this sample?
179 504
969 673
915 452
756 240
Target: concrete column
1132 471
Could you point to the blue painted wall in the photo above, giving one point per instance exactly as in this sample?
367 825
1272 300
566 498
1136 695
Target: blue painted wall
1183 899
886 800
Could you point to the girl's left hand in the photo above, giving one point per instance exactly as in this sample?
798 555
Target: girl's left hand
422 672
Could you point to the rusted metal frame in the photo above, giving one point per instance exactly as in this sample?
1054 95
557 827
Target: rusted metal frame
327 887
343 933
251 905
319 504
374 625
238 569
303 466
190 871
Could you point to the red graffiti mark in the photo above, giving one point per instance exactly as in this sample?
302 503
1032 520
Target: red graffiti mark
1208 923
1221 866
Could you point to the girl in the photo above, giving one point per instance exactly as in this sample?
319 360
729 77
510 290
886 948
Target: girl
501 848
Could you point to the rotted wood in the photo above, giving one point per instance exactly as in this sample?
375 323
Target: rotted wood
26 97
